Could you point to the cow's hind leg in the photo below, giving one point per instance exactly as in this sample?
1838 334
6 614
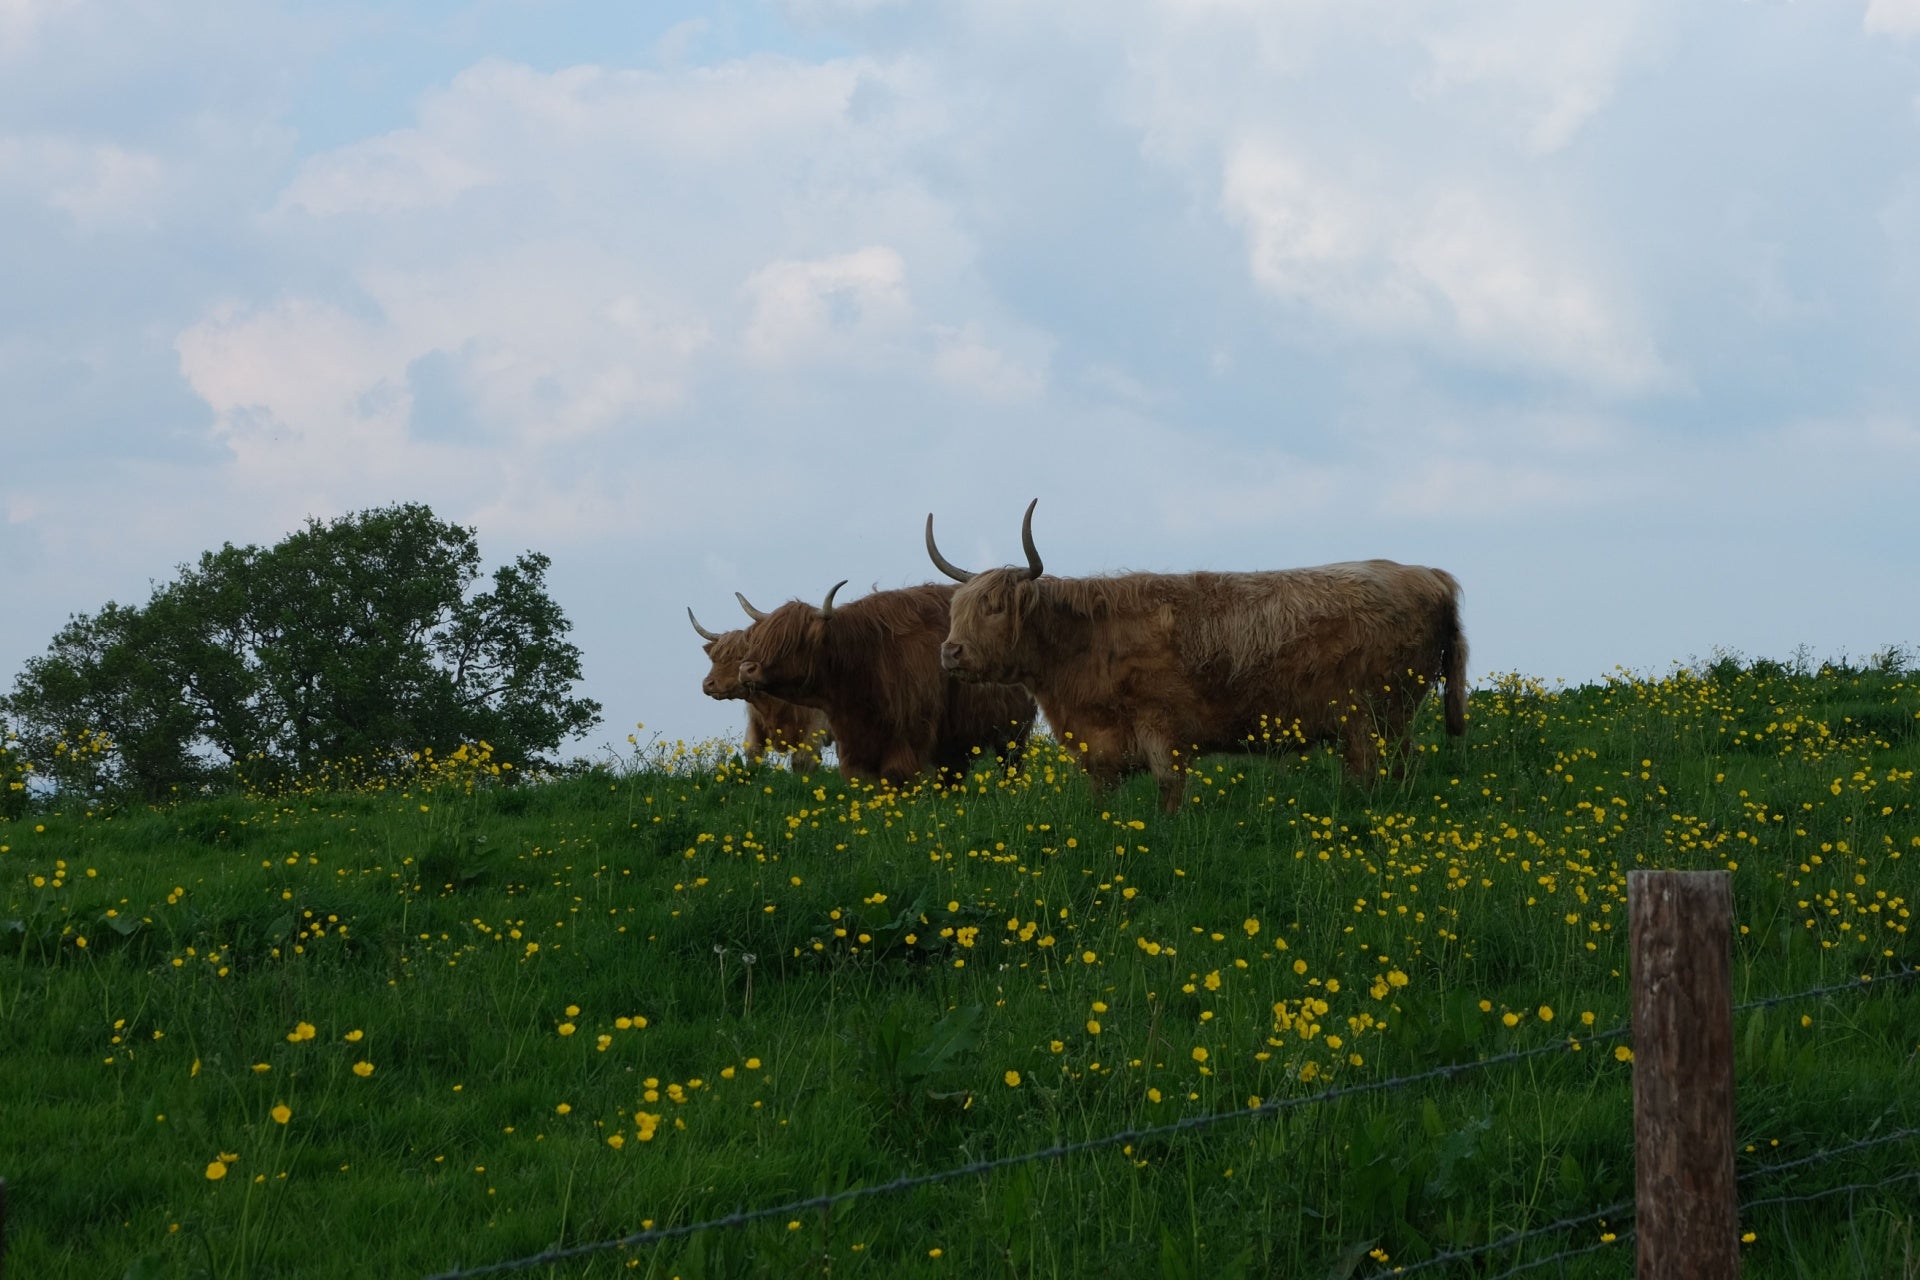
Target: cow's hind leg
903 764
1362 748
1102 752
1166 768
1394 718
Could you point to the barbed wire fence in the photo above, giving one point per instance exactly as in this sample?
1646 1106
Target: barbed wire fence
1129 1138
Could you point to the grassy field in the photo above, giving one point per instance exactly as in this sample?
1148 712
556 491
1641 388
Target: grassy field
387 1032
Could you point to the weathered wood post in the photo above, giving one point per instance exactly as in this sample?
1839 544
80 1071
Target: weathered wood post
1687 1220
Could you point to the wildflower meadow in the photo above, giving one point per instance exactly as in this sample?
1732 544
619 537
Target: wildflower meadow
403 1024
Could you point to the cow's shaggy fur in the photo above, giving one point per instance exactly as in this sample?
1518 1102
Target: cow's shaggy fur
1149 669
873 666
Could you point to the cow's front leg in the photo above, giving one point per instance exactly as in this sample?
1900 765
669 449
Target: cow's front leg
902 764
1164 763
1102 752
1363 748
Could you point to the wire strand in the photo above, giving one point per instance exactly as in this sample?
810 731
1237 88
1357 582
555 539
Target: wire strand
1905 973
1908 1176
1518 1237
1562 1256
1124 1137
1821 1157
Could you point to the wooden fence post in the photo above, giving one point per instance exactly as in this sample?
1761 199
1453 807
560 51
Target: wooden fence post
1687 1217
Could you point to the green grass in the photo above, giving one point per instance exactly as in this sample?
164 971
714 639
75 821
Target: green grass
908 952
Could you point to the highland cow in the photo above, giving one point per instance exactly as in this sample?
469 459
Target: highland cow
873 665
772 724
1147 670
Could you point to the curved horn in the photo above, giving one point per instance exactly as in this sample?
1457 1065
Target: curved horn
1026 541
752 612
940 562
704 633
826 607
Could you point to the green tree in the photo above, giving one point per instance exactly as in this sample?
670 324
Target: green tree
359 639
14 767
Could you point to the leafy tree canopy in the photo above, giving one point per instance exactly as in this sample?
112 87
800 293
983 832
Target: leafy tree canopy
13 772
353 641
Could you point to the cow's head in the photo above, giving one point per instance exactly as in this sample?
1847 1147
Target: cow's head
724 650
983 638
784 648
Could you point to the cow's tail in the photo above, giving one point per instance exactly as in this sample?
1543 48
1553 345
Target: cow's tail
1453 663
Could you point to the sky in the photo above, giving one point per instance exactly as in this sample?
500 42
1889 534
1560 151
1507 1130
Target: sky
1612 309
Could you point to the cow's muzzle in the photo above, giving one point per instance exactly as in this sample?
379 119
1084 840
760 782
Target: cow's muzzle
954 660
752 676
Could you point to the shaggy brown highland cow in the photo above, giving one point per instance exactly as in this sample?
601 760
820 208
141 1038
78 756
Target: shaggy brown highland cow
1151 669
873 665
772 724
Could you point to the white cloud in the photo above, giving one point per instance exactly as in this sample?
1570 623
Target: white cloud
1900 18
708 115
648 134
21 19
394 172
819 10
1514 74
1547 68
546 339
1444 265
1313 243
303 393
99 186
967 363
543 345
826 308
545 258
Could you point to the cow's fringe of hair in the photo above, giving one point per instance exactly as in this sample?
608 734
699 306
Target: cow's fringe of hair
726 653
